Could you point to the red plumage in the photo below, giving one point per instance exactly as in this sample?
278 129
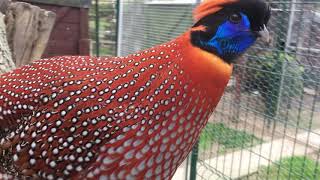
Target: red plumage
113 118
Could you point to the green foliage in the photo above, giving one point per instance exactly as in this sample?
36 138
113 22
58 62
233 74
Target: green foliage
107 27
311 77
226 137
266 77
294 168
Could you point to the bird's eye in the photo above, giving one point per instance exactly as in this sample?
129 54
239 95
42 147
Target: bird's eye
235 18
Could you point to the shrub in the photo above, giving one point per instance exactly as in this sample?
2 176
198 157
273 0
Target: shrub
267 74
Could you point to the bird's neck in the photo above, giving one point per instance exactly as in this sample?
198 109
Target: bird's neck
205 67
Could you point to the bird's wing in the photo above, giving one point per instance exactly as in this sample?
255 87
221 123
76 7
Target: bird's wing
31 86
85 105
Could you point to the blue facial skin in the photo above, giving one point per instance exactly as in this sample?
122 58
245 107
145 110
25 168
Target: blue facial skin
232 39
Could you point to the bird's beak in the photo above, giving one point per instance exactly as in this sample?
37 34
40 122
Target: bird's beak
264 34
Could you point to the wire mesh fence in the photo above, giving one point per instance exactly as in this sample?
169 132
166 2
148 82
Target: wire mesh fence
267 125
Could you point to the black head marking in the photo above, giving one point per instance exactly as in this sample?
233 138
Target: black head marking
257 12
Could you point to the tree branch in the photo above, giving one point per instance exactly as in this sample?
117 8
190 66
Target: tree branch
4 6
6 63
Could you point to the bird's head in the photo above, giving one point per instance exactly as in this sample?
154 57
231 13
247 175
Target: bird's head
227 28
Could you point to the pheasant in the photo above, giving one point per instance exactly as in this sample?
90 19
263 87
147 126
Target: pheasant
132 117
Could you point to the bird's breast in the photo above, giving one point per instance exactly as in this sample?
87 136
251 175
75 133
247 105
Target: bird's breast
205 69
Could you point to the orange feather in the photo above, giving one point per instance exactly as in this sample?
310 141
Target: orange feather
209 7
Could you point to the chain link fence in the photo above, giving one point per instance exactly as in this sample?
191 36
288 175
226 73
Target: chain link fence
267 125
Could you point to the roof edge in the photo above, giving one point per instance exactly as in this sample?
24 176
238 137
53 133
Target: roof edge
69 3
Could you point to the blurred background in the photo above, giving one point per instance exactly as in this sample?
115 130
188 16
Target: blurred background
267 125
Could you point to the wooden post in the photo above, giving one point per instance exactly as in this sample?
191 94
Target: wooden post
84 42
29 29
